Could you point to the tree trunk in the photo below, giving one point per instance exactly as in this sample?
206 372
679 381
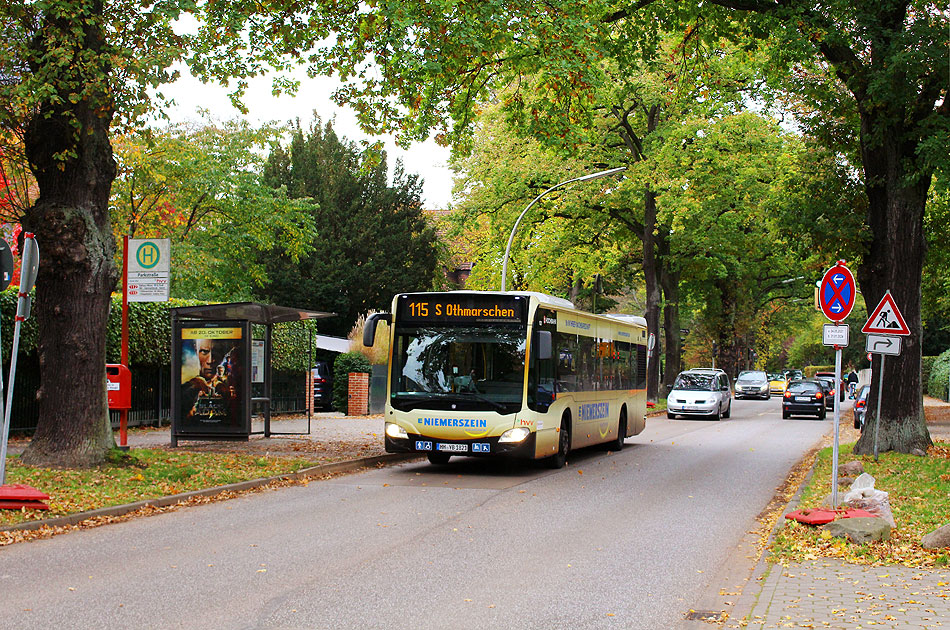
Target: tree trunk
727 339
652 289
76 275
673 339
894 262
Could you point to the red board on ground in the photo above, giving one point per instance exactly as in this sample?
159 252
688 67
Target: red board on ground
821 516
17 495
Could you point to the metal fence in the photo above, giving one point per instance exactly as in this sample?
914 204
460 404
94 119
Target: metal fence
150 395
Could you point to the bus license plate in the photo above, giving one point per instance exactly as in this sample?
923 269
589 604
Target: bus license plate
454 448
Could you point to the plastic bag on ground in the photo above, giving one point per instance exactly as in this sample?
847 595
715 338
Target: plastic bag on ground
864 496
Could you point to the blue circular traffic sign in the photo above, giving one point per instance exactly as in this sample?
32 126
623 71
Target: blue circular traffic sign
837 292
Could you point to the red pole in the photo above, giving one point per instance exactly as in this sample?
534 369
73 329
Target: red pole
124 413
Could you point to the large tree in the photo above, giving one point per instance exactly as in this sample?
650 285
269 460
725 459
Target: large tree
69 71
370 240
882 65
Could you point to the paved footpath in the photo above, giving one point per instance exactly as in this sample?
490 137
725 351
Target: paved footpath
828 593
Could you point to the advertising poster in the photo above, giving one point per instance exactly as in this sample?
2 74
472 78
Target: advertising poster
257 361
213 373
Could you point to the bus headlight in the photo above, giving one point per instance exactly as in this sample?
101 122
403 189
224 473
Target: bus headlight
396 431
518 434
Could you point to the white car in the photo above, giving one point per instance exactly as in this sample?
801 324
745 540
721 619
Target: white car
700 392
752 384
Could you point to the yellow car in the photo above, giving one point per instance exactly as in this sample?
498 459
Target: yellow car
777 384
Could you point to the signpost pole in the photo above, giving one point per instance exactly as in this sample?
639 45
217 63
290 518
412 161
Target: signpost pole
836 296
29 264
877 416
124 413
834 451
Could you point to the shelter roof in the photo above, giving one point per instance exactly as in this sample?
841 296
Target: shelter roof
254 312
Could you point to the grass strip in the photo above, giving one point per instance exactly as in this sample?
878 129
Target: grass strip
919 495
136 475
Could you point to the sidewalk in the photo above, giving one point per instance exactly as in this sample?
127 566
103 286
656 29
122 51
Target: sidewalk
830 593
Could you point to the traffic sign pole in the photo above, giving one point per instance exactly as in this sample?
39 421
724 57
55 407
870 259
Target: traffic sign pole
834 451
877 416
836 297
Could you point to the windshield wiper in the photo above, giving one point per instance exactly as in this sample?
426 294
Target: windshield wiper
494 403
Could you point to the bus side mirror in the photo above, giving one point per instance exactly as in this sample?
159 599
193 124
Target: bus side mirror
544 344
369 327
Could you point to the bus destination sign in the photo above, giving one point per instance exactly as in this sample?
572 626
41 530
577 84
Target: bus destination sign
465 307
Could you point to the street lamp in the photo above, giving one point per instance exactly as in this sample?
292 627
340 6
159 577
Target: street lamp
582 178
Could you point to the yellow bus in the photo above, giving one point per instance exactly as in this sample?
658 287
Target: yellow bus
509 374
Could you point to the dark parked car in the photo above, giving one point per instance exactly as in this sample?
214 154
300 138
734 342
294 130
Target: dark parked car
322 386
828 389
803 398
831 375
861 406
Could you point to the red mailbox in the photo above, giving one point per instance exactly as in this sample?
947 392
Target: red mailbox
119 384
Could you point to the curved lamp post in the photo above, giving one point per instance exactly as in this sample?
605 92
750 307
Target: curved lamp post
582 178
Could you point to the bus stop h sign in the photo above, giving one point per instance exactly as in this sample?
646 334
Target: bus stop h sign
837 292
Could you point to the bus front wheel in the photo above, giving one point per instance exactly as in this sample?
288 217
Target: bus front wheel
563 446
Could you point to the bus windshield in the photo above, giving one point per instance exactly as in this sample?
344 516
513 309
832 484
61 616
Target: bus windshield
464 368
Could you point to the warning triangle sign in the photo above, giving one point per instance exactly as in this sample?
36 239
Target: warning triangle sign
886 319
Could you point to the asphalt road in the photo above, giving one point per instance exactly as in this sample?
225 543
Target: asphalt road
633 539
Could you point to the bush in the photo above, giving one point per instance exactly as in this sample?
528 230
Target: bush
378 354
344 364
810 370
939 373
926 365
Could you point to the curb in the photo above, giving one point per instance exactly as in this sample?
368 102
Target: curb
747 601
120 510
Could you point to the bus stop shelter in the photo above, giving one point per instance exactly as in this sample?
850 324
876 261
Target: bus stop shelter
215 360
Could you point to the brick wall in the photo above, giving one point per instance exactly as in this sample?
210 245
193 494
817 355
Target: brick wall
310 391
358 394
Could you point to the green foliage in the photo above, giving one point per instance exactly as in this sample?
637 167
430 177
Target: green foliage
936 277
378 353
202 188
926 366
937 386
343 365
29 332
371 239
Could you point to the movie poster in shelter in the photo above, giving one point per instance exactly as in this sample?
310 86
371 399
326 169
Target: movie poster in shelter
213 369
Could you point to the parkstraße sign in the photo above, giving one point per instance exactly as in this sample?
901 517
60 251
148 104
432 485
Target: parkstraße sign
149 270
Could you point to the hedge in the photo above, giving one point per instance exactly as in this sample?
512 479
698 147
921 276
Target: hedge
150 333
939 374
926 365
